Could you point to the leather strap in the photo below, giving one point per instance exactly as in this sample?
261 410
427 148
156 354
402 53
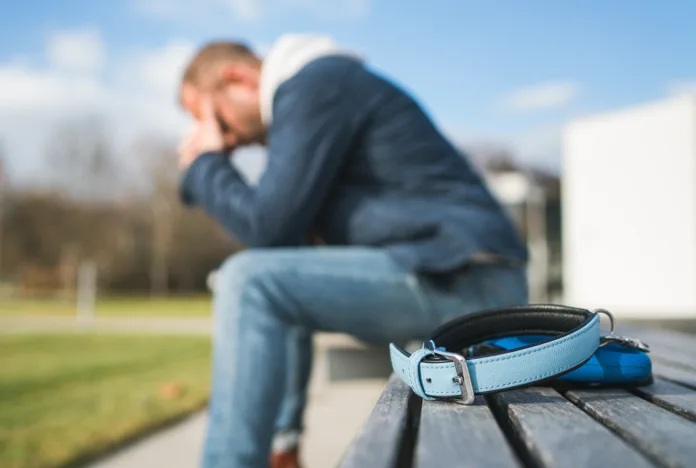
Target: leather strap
436 371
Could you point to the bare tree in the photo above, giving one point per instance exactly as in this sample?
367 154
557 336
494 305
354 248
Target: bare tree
82 160
3 201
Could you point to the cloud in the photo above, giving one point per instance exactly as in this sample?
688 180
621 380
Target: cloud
160 70
538 147
328 8
541 146
250 10
245 10
77 51
543 96
24 89
682 87
139 99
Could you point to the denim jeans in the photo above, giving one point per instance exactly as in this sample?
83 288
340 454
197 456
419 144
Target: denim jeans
267 304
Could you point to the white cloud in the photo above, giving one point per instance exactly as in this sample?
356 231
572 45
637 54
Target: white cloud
542 96
246 10
138 99
250 10
160 70
324 8
77 50
23 89
537 147
682 87
34 101
540 146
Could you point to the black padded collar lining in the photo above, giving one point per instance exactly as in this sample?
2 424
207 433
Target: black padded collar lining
490 324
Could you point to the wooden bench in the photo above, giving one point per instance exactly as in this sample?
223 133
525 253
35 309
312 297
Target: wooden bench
540 427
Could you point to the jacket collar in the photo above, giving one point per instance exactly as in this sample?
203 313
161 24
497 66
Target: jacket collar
287 56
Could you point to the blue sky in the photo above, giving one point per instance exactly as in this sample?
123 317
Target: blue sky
510 71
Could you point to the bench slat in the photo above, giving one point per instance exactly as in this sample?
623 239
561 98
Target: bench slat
555 433
676 374
667 347
668 340
669 344
379 443
676 398
661 435
673 359
452 435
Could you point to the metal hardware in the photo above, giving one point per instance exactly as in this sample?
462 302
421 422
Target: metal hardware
612 337
634 343
463 378
612 323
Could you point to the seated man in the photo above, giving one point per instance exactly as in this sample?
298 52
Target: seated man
410 235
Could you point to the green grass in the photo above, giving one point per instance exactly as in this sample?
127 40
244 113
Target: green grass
67 397
196 306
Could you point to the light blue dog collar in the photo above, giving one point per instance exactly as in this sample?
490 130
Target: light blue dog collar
435 373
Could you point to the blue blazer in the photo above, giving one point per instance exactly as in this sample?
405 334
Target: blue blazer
354 158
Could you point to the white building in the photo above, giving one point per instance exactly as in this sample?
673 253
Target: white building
629 211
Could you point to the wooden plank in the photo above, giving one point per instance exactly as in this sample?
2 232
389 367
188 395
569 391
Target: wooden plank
676 374
664 437
553 432
665 341
451 434
672 359
675 398
385 435
666 346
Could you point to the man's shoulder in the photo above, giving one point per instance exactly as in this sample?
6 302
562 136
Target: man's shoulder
320 85
327 67
331 74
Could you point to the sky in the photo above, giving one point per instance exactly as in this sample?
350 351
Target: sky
508 72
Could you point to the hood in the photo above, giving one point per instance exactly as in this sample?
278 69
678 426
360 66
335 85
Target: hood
288 54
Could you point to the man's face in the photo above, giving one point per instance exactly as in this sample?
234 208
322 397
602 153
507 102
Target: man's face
236 104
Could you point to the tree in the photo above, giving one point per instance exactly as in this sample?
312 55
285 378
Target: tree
82 160
4 189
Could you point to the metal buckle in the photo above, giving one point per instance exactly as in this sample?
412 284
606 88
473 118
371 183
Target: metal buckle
463 378
612 337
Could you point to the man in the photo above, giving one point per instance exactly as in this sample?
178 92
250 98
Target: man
410 235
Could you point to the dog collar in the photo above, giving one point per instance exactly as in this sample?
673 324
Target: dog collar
435 373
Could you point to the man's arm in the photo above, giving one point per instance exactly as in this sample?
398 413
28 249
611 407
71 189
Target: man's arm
311 133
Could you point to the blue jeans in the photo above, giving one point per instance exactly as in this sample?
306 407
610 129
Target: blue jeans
268 302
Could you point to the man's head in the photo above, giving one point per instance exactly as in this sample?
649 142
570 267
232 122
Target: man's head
229 73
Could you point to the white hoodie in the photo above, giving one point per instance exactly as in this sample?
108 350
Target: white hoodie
288 54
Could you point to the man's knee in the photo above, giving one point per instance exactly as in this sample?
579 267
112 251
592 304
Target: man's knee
247 269
236 285
238 270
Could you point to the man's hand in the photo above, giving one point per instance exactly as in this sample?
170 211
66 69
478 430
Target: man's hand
205 136
188 148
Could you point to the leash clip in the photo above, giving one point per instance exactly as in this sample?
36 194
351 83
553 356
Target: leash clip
612 337
463 378
634 343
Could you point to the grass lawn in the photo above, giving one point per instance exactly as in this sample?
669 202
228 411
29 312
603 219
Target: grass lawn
196 306
66 397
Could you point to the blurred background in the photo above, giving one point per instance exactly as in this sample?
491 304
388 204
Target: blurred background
581 116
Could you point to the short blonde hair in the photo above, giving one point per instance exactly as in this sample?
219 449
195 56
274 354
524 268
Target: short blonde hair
213 55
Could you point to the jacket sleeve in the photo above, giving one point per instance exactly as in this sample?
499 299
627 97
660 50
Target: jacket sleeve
308 141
